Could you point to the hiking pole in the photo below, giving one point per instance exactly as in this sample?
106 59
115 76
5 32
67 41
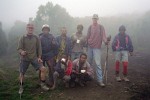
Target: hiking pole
106 61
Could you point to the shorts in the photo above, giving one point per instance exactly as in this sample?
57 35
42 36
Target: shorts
25 64
121 56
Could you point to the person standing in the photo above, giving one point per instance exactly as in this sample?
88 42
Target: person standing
49 47
64 44
121 45
95 36
78 42
29 48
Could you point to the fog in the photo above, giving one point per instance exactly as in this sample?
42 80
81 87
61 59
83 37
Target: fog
12 10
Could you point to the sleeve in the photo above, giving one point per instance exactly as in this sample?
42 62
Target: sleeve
88 32
55 46
114 44
103 34
89 69
39 48
74 66
70 49
72 41
69 68
130 46
20 45
57 66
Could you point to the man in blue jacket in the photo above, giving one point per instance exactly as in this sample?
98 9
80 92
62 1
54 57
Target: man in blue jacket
49 47
121 45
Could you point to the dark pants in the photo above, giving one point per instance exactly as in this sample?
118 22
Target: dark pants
50 63
80 78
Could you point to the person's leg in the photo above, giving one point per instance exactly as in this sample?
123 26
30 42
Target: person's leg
42 69
97 58
66 80
90 55
23 68
72 80
51 70
55 76
117 65
125 64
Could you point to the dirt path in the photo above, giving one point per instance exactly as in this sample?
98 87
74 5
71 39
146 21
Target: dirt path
139 72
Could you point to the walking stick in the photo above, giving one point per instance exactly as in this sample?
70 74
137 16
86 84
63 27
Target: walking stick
106 61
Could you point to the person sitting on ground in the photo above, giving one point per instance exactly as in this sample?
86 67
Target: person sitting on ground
63 70
81 71
29 48
121 45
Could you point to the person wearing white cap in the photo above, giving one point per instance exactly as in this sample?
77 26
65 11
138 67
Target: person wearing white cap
49 47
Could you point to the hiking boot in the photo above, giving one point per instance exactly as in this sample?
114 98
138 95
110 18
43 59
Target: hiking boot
20 90
118 79
44 87
126 79
101 84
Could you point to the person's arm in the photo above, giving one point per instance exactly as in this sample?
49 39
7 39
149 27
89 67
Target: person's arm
89 69
69 48
69 68
39 50
20 47
104 39
130 46
114 43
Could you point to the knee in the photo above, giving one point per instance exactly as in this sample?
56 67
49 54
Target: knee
55 74
67 78
43 69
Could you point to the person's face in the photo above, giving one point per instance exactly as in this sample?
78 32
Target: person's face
63 31
83 59
122 31
95 20
46 30
79 29
30 30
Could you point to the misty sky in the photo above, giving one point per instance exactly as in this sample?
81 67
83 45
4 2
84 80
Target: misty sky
11 10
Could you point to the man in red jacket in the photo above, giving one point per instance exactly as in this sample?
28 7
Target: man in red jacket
63 70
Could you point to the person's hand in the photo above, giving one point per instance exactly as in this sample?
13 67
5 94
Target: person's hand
40 60
23 53
131 53
53 41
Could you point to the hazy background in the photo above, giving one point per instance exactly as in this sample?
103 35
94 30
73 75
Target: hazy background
12 10
15 14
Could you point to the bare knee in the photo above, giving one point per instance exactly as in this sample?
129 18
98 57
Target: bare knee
43 69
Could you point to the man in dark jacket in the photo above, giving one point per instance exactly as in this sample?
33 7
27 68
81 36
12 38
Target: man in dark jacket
121 45
49 47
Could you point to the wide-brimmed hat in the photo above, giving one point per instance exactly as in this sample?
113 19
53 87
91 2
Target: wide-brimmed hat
95 16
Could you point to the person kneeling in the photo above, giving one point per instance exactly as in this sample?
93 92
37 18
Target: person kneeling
82 71
63 70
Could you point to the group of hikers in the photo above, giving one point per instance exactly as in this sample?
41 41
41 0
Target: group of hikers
73 59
